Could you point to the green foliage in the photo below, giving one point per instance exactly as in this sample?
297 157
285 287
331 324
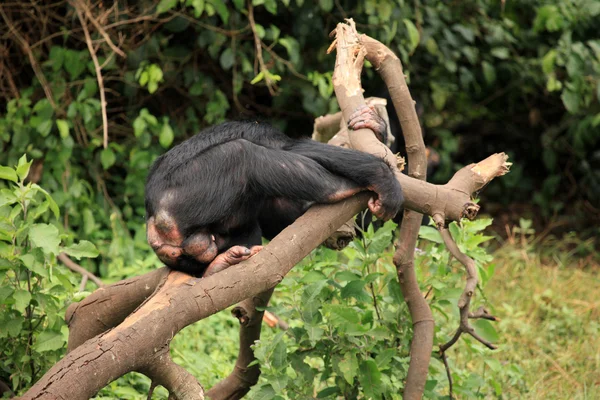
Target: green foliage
34 290
350 328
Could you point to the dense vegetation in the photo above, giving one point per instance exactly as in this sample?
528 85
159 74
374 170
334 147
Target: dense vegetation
520 76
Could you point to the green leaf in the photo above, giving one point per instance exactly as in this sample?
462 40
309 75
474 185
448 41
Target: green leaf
370 379
44 127
349 367
265 392
413 34
23 167
198 7
165 5
14 326
293 48
221 9
327 392
5 291
139 126
279 357
486 330
355 289
501 53
63 128
166 135
571 101
46 237
383 359
107 158
8 174
152 87
82 249
22 298
7 197
49 199
226 59
271 6
49 341
489 73
74 64
326 5
548 61
260 31
343 314
257 78
431 234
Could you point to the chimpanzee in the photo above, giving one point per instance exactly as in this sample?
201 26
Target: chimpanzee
211 198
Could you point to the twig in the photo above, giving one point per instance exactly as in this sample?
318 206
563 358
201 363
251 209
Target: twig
34 64
231 33
258 48
73 266
151 390
83 283
465 298
98 69
100 30
287 63
448 374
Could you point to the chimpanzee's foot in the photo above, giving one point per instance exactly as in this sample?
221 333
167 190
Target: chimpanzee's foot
387 207
367 117
233 256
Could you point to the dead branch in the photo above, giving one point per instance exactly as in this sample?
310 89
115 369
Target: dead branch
78 6
32 60
100 30
258 48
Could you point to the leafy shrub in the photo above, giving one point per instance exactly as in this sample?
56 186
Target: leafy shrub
350 328
34 290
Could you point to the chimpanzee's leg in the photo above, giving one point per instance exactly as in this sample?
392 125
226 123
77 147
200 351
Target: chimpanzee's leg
366 170
310 171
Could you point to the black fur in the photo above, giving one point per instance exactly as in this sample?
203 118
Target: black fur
241 180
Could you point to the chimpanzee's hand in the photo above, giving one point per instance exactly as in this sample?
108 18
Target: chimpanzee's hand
367 117
233 256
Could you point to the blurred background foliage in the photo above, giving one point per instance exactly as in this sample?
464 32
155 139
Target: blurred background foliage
521 77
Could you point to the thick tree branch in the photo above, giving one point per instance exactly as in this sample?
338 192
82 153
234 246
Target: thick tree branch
180 383
351 48
242 378
109 306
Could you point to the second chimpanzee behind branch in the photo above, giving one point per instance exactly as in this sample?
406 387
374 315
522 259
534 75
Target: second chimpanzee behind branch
211 198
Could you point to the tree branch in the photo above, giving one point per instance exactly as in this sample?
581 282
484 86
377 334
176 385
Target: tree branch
78 5
73 266
351 49
242 378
